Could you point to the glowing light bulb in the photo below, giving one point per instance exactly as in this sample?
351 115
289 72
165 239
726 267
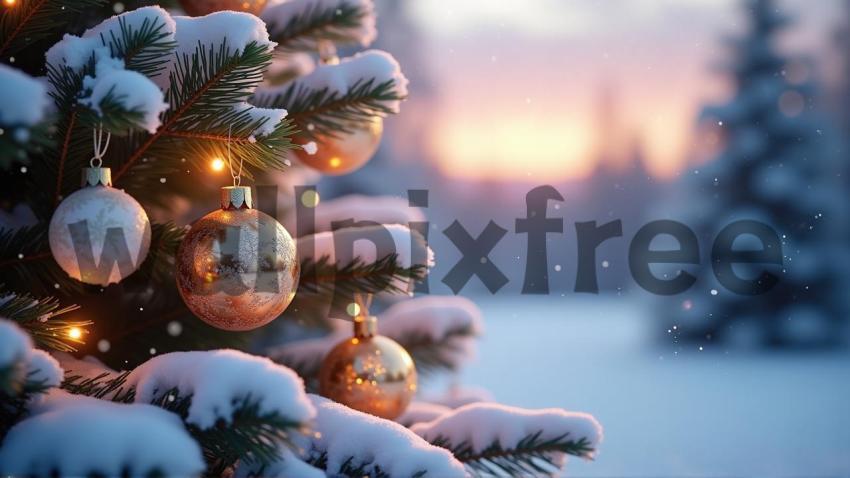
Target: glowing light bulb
75 333
10 3
217 164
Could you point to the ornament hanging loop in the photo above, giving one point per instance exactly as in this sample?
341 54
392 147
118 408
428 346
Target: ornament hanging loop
100 146
365 324
237 176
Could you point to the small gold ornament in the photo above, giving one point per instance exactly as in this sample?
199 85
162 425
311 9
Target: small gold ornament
346 153
369 372
236 267
197 8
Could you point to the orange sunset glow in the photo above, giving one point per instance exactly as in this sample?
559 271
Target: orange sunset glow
540 89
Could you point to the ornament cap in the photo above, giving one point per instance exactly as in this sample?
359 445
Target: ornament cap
236 197
365 326
97 176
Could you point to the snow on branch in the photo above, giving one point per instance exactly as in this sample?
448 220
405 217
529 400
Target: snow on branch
217 380
418 412
438 331
409 247
23 100
235 29
380 209
24 105
351 443
23 367
334 98
79 436
114 62
302 24
490 438
26 374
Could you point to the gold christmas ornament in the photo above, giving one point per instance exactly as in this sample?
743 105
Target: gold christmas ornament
197 8
236 267
369 372
347 152
99 235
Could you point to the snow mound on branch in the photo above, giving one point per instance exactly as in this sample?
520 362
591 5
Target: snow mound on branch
271 117
418 412
216 379
383 210
237 29
375 65
131 89
278 14
15 344
23 99
479 425
366 250
33 365
75 52
44 369
81 436
287 466
343 433
433 317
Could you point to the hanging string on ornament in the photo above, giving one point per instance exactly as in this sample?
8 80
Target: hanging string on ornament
237 267
342 153
99 235
368 372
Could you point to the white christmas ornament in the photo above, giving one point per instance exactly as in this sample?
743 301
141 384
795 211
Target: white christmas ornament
99 235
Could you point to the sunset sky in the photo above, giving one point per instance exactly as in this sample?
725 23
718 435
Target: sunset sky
520 82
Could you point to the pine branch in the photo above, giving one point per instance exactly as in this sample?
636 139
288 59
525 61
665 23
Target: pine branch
317 22
107 386
322 112
28 21
357 276
431 356
144 48
38 318
251 436
352 468
206 90
327 287
531 456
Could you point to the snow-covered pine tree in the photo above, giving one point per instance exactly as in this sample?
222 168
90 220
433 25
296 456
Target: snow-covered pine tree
778 166
133 383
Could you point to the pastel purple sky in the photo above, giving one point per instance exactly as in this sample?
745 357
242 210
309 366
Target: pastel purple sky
520 81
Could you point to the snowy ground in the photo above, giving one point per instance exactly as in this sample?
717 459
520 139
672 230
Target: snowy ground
696 413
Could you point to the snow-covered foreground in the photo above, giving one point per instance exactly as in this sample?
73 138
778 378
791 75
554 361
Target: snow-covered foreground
714 412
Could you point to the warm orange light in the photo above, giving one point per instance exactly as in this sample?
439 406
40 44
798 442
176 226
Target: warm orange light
335 162
10 3
217 164
75 333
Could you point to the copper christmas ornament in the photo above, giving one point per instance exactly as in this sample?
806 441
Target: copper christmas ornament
237 267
